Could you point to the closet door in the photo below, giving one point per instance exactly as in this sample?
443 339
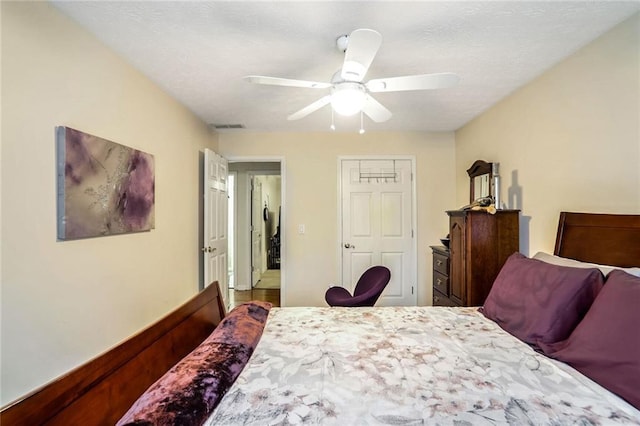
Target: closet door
376 215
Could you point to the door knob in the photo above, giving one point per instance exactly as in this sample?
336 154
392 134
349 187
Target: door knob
347 245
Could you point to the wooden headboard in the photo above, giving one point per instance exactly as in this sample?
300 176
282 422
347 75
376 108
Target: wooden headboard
607 239
102 390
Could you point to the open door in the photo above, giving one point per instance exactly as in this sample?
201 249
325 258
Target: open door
215 222
256 231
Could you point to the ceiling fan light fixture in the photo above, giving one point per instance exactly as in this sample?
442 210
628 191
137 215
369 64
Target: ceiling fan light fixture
348 98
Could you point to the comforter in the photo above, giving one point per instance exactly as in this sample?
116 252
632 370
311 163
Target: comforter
403 366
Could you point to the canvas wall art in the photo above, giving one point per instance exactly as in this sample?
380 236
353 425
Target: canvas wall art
104 188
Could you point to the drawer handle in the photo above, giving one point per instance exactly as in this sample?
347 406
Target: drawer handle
439 281
438 262
436 299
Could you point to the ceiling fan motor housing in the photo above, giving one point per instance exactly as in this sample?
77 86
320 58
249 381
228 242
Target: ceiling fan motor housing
342 42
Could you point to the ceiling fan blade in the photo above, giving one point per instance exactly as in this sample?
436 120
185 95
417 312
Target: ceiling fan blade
361 49
310 108
276 81
375 110
413 82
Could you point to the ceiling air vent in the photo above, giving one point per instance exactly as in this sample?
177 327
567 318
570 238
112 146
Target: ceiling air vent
227 126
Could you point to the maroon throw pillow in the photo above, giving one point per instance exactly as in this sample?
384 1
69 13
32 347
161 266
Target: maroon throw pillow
605 346
539 302
191 389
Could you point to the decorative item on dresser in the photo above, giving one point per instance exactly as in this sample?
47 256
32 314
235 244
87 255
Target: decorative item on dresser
481 182
479 245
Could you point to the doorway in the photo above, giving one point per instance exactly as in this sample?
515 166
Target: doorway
258 216
265 229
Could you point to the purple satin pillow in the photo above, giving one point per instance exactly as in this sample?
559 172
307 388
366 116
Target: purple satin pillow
605 346
538 302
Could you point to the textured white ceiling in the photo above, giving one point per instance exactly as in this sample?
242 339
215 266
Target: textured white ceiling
199 52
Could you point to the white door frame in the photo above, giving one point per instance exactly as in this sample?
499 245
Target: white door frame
283 245
414 216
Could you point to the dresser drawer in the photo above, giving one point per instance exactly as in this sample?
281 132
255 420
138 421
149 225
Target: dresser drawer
441 263
441 283
441 300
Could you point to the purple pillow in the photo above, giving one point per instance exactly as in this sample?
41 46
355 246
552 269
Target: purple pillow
191 389
539 302
605 346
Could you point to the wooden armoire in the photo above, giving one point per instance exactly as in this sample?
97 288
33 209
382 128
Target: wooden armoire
479 245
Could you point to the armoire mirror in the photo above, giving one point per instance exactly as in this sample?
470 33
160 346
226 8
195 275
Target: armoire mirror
480 177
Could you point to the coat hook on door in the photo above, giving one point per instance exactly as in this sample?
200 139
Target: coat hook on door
377 176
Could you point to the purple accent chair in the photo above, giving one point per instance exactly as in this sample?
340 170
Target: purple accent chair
368 289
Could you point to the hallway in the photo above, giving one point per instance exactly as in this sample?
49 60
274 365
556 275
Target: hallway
238 297
270 279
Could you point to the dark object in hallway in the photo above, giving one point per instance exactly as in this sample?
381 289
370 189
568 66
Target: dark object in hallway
273 252
273 258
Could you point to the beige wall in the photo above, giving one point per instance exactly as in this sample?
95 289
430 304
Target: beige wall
65 302
568 141
310 177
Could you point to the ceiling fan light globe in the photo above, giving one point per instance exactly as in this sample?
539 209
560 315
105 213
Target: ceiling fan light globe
348 99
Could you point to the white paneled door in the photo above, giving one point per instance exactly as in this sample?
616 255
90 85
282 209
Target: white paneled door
256 231
215 222
377 225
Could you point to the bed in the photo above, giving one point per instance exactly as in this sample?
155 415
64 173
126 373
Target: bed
392 365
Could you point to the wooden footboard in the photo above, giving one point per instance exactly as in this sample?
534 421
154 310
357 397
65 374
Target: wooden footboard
102 390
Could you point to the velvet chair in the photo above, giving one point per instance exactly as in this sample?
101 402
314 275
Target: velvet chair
368 289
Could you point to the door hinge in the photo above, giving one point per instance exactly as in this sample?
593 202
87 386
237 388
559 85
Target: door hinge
411 289
412 233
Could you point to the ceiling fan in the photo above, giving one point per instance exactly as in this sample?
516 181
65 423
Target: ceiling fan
349 94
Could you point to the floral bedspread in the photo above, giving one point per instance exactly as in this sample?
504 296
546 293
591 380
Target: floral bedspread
407 366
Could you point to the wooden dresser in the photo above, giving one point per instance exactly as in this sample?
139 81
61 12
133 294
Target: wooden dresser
441 276
479 245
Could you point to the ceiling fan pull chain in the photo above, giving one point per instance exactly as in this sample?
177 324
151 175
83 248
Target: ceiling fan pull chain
333 126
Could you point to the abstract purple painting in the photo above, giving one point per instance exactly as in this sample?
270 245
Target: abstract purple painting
104 188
